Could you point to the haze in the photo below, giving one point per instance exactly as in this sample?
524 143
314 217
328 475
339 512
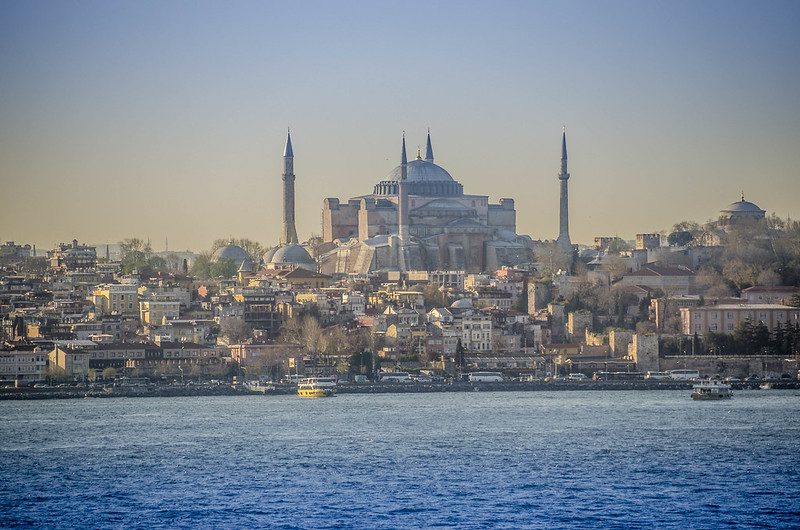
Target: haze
168 119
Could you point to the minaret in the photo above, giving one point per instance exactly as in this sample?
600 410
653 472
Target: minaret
288 231
402 207
563 217
402 192
429 149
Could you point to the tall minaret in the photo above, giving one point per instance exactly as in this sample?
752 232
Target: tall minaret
288 232
429 149
402 192
563 216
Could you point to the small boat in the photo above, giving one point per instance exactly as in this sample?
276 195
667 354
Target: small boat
711 390
765 386
316 387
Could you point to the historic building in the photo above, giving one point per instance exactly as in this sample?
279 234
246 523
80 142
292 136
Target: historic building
289 254
419 218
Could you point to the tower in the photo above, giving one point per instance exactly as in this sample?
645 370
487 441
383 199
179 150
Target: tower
402 192
288 231
429 149
563 215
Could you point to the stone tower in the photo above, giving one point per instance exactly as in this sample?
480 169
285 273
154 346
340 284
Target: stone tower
563 216
288 231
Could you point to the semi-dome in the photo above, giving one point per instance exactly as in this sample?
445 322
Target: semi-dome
267 257
233 253
292 255
421 171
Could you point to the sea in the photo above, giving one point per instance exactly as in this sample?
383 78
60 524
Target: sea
567 459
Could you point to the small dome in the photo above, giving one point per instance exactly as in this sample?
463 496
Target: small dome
292 255
421 171
743 210
743 207
233 253
462 303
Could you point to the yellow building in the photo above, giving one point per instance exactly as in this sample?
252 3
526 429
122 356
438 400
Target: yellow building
118 299
74 362
156 312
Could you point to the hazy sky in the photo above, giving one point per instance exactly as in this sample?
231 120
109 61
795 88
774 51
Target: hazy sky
157 119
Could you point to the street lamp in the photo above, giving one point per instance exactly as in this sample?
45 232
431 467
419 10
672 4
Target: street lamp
181 370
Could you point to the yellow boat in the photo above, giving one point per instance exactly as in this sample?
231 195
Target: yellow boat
316 387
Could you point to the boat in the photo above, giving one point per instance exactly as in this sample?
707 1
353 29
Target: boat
316 387
711 390
765 386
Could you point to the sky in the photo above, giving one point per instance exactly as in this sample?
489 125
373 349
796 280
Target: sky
165 120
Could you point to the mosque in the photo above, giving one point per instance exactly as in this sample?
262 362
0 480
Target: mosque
419 218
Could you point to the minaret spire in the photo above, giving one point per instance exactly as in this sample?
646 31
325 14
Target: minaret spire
563 218
288 232
402 199
429 148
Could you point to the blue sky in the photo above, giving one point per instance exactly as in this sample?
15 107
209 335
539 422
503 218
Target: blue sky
168 118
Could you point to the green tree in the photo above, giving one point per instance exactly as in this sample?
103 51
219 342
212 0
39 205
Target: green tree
201 266
109 373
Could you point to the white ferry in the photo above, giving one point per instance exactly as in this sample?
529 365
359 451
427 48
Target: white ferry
315 387
711 390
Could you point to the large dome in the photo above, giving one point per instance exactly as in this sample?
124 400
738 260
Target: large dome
292 255
233 253
421 171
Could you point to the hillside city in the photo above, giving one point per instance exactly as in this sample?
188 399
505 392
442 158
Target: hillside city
722 298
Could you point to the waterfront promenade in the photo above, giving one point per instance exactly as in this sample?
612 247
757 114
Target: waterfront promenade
370 388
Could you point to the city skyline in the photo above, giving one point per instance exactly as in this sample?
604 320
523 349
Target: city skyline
160 121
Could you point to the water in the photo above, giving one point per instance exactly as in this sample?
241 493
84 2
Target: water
468 460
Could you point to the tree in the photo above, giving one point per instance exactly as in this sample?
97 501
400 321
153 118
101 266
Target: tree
680 238
434 297
235 329
109 373
134 254
201 266
55 374
615 266
617 246
224 268
551 258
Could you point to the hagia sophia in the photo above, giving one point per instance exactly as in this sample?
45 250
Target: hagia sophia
418 217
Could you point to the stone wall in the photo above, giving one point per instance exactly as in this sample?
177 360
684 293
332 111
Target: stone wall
740 366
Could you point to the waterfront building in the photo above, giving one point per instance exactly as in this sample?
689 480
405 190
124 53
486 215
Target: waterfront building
725 318
23 365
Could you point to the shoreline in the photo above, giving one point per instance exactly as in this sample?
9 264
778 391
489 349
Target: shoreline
371 388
